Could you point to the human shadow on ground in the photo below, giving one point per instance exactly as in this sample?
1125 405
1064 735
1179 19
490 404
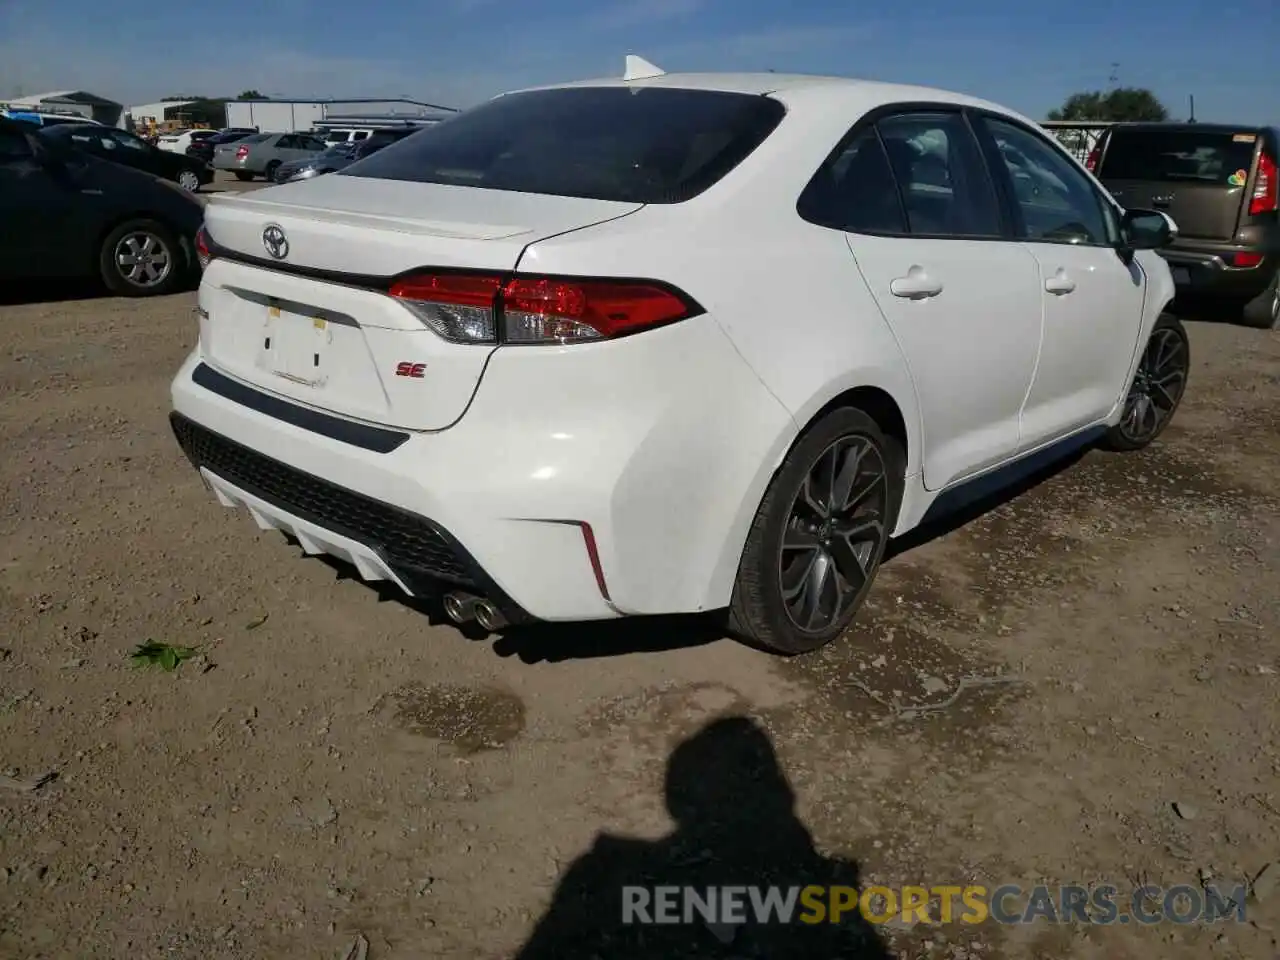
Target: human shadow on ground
735 826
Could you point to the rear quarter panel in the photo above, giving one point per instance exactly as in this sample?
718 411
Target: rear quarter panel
787 294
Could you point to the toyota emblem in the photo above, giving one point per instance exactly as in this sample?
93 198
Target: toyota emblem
275 241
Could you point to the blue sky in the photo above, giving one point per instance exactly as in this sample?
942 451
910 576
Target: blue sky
1027 55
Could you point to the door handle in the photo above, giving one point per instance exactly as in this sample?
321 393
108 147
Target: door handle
916 285
1059 284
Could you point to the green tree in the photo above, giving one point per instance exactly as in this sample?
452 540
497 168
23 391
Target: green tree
251 95
1118 105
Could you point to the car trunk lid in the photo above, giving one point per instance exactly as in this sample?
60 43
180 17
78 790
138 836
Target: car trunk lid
1198 177
317 325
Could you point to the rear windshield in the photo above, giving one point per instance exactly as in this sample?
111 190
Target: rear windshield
629 144
1179 155
258 138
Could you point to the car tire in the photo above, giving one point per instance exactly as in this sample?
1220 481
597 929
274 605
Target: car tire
1263 311
270 172
243 176
798 538
189 180
1156 389
161 273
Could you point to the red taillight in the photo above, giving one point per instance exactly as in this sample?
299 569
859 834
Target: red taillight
1266 187
1094 156
458 306
1243 259
242 152
203 253
466 307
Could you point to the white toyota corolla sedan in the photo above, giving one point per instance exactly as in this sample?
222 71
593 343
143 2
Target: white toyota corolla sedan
669 343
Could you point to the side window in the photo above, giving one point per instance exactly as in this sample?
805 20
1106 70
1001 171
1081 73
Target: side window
854 190
1057 202
13 147
287 142
940 171
126 141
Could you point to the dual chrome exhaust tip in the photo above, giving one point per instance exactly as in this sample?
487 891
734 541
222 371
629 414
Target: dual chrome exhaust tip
461 607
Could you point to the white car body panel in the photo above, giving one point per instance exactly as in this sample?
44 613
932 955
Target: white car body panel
178 142
663 442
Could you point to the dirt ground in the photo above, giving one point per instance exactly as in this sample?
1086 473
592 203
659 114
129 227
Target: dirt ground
1077 686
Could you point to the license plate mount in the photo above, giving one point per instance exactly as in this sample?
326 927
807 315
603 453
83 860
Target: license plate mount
297 346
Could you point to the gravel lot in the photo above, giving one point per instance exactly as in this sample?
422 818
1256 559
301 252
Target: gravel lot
337 764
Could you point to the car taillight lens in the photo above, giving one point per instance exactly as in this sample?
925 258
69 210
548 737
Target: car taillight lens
203 253
242 152
1092 162
1266 189
459 307
476 308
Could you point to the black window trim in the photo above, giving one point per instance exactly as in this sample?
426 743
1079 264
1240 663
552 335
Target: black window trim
1107 205
872 119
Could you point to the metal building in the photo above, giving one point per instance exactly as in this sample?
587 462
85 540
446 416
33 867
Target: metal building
72 102
285 116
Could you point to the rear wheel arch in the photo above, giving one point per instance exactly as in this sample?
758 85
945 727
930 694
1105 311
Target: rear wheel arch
876 403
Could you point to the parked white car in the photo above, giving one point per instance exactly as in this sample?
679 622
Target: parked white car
178 142
668 344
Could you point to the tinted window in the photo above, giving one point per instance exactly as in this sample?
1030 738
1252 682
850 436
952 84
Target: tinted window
288 142
941 175
257 138
855 191
1178 155
123 139
632 144
1057 202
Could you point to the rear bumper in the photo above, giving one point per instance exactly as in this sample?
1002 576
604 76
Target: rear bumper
660 444
381 541
1210 271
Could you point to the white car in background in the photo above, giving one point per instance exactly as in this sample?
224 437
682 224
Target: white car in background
668 343
178 142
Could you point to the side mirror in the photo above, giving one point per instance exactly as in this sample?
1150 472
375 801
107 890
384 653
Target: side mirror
1147 230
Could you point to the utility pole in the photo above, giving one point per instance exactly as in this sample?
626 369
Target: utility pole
1192 118
1114 78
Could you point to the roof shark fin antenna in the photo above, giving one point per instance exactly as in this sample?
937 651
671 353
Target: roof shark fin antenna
638 68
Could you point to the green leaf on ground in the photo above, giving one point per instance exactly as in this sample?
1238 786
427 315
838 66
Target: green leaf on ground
163 655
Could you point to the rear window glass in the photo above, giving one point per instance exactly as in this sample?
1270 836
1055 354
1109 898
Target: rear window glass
258 138
1179 155
628 144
